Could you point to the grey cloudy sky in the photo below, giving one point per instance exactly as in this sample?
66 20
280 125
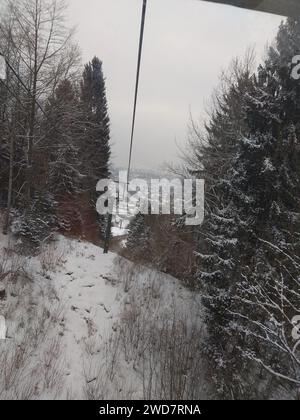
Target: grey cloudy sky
187 44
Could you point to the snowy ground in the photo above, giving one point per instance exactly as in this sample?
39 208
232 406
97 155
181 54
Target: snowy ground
89 326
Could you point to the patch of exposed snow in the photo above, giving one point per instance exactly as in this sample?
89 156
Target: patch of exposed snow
116 231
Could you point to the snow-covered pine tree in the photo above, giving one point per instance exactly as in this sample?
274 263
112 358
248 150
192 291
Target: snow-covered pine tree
272 286
95 147
62 141
249 264
217 238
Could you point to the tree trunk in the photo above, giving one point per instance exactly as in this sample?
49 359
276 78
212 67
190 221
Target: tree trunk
10 182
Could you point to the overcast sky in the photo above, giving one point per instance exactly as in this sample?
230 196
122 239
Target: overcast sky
187 44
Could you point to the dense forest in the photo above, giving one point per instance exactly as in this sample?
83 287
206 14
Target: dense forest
245 258
55 129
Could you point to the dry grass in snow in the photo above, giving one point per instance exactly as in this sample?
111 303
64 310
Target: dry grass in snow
83 325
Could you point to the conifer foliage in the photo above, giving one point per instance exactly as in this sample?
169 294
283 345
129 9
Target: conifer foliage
54 125
249 259
96 124
96 147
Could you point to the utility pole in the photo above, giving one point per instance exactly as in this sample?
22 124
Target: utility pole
108 233
108 226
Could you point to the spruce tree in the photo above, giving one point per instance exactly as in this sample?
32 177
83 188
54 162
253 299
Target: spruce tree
62 143
248 265
95 147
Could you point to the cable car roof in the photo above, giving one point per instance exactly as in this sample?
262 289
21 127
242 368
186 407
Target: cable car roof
278 7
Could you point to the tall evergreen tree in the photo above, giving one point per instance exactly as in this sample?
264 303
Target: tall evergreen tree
248 263
63 141
61 145
96 146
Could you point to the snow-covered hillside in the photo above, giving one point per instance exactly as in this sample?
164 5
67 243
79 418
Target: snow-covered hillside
85 325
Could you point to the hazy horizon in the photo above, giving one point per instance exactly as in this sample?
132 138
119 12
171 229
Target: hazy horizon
187 44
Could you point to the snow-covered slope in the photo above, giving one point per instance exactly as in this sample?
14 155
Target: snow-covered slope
103 323
91 304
